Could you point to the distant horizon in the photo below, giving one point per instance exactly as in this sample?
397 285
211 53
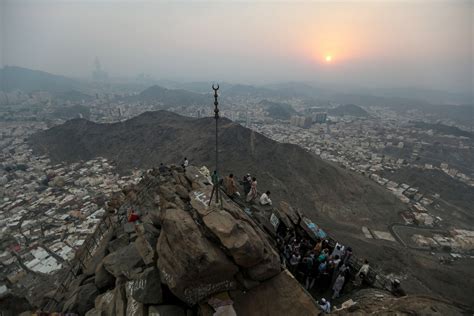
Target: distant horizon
348 88
370 44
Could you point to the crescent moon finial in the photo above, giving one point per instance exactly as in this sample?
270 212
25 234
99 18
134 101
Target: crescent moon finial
214 87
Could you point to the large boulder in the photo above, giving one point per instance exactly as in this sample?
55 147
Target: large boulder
167 191
191 265
196 178
182 192
112 303
200 200
237 236
146 288
123 261
280 295
105 303
268 267
81 300
248 245
103 279
144 243
290 212
118 243
134 308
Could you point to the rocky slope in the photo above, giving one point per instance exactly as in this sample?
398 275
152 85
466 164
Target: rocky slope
184 258
187 258
315 186
339 201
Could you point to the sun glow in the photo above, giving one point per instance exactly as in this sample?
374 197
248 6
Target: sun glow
328 58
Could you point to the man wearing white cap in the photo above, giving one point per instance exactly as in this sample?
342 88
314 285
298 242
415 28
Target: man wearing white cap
325 305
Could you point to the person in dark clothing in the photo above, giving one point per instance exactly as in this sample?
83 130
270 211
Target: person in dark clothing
247 183
397 289
162 169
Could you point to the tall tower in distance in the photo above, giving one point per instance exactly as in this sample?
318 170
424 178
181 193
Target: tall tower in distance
98 74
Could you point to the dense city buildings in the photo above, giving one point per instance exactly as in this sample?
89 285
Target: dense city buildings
47 209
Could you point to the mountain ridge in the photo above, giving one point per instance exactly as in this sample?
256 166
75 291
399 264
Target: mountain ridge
163 129
336 199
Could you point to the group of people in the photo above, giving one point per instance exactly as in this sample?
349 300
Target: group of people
318 265
314 264
250 189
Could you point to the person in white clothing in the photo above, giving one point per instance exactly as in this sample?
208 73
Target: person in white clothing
265 199
361 276
364 270
325 305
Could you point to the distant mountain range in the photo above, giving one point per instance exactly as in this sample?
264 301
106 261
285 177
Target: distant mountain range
459 108
170 97
287 170
340 201
27 80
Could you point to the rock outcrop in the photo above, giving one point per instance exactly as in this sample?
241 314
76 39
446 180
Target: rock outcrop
191 265
280 295
181 253
187 256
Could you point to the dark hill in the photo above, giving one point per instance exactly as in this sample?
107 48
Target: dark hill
279 111
27 80
287 170
340 201
348 109
170 97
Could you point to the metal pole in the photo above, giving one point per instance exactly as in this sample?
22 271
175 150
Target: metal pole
216 116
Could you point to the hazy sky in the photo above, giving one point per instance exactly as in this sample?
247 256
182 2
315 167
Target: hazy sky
372 43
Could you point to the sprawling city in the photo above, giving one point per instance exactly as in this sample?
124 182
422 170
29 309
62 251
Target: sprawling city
126 194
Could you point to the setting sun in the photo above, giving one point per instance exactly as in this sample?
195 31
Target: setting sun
328 58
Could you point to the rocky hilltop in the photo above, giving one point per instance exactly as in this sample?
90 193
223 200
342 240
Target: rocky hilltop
290 172
184 257
336 199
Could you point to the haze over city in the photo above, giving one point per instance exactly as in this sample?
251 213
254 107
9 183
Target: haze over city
426 44
238 158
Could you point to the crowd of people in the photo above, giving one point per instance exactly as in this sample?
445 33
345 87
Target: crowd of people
317 265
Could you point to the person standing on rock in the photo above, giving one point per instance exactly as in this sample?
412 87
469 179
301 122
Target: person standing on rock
230 186
185 163
294 261
347 255
162 169
252 195
247 183
337 287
